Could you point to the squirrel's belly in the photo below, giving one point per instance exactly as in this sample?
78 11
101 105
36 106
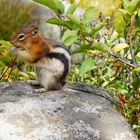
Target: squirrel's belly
50 74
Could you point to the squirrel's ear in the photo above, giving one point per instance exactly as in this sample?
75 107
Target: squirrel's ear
35 31
33 26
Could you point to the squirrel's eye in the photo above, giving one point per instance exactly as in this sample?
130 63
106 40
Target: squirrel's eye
34 32
21 36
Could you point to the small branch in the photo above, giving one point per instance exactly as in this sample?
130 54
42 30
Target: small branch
12 68
4 73
9 66
130 38
89 41
128 64
58 14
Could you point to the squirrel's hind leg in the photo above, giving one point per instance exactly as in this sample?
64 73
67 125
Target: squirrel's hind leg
36 83
33 82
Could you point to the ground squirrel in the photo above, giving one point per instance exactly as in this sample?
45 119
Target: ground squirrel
51 60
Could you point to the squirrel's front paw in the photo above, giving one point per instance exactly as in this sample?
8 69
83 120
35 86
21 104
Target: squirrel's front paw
40 90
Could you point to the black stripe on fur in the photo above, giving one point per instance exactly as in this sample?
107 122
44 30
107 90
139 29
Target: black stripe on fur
64 47
61 57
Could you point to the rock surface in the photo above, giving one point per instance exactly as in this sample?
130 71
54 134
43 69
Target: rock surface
65 114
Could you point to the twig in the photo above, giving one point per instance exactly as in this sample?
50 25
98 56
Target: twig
4 73
130 38
130 65
10 66
58 14
89 41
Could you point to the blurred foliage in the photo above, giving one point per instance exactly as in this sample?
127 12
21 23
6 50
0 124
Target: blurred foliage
13 15
107 7
11 67
110 49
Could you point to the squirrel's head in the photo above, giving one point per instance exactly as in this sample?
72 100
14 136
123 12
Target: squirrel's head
28 43
24 37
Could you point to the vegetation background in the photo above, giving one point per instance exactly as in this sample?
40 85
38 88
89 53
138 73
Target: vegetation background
105 32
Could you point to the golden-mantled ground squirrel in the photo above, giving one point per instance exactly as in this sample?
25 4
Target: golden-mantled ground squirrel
51 60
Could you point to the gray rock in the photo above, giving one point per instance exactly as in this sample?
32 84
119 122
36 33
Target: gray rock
64 114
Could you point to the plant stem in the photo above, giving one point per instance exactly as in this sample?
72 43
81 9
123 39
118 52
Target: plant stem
89 41
58 15
128 64
4 72
130 38
12 68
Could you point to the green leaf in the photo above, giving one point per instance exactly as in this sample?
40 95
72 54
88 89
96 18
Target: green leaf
60 6
74 19
87 65
5 43
99 46
53 4
4 59
136 126
124 91
139 13
119 24
2 64
69 40
98 27
136 83
133 5
49 3
69 37
137 69
56 21
96 46
125 14
70 25
105 84
123 11
83 49
72 8
89 14
135 103
76 23
125 3
137 50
